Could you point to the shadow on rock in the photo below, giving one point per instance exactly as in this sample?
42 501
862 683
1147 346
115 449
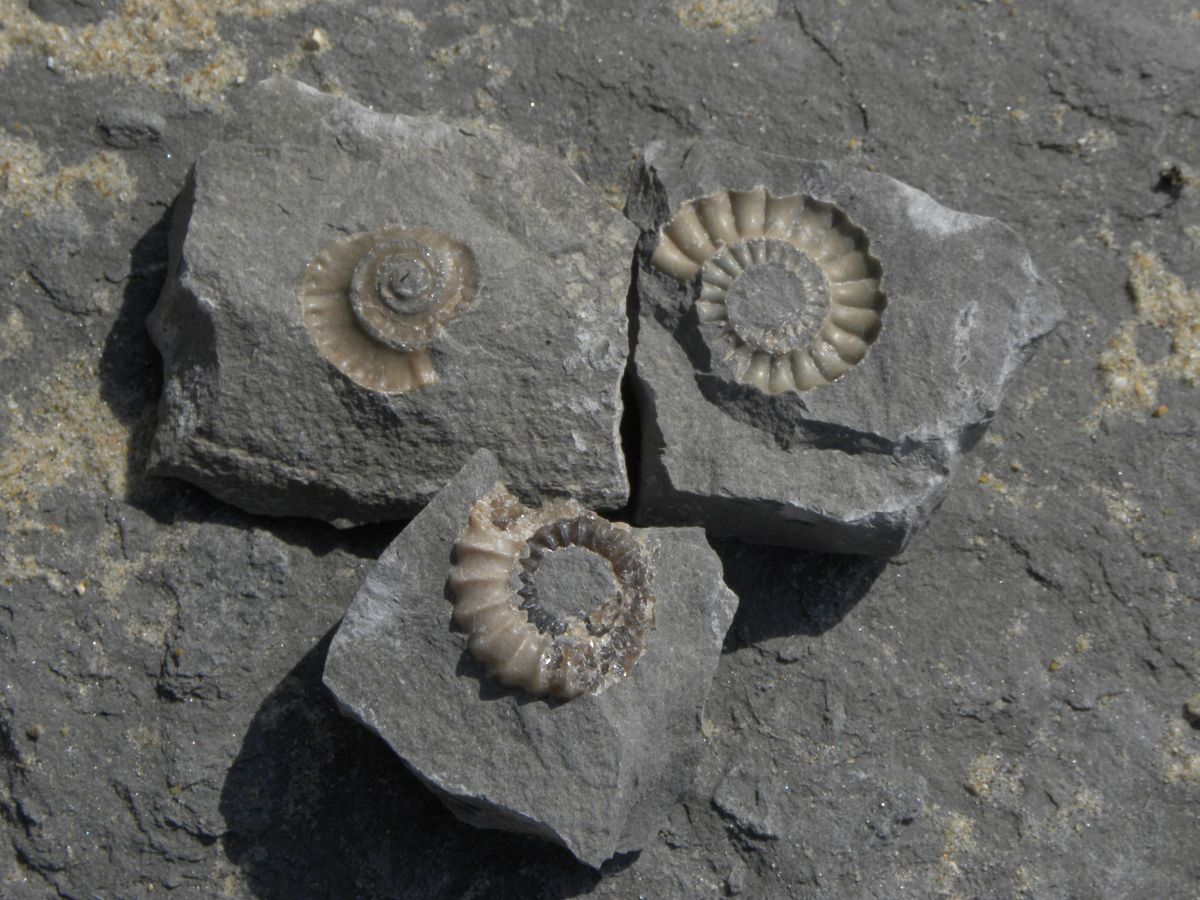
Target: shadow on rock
131 379
786 592
131 376
317 806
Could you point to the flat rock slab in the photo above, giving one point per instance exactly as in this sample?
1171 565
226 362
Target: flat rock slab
856 465
254 413
596 773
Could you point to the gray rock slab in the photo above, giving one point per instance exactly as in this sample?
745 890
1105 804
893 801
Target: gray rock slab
596 774
253 413
918 737
853 466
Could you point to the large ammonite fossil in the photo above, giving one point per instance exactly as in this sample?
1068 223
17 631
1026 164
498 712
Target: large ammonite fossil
789 293
372 302
526 633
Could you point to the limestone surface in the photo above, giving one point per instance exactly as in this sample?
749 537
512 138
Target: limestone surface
256 407
856 465
1000 711
596 773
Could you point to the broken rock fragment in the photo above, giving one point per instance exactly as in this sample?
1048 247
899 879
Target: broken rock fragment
358 301
541 670
817 346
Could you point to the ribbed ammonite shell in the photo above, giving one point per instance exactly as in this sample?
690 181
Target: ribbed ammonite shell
372 302
530 641
789 295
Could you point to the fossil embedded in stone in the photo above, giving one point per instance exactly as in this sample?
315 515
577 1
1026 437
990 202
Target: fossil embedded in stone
373 301
525 631
789 293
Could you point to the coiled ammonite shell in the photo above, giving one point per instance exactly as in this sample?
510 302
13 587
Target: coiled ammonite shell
372 302
789 295
533 641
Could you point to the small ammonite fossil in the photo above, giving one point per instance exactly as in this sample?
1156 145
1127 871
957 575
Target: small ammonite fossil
789 294
372 302
530 640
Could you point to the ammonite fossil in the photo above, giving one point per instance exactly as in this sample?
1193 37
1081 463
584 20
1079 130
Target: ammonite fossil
372 302
533 641
789 293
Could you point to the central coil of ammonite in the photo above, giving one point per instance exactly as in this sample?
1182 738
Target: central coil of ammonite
372 302
789 294
778 303
529 640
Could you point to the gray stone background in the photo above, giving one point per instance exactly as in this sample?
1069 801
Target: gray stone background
998 712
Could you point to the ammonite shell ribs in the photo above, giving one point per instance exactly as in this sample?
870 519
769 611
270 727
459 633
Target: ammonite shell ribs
789 296
372 302
522 642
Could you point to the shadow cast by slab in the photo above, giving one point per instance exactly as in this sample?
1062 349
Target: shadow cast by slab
631 419
785 592
317 806
131 375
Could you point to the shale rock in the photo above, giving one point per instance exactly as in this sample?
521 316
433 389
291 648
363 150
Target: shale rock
857 462
258 412
597 773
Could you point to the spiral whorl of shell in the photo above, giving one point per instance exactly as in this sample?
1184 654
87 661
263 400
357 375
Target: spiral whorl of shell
523 640
789 295
372 302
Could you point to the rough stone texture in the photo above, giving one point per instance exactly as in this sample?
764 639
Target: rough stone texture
999 709
596 774
130 127
71 12
254 414
858 465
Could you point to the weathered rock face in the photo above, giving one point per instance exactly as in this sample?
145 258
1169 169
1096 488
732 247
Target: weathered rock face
767 418
596 773
265 409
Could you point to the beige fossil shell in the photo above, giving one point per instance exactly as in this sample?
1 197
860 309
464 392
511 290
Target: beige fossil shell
789 294
522 640
372 302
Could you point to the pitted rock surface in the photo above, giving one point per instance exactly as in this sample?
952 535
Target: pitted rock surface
1007 708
